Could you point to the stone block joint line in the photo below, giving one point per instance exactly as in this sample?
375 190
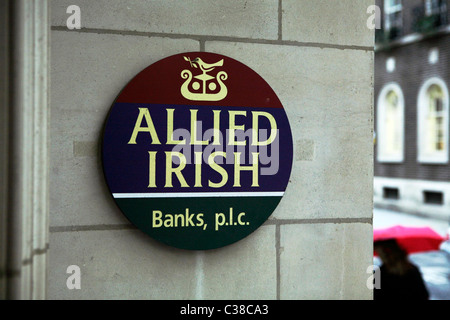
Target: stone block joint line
204 38
276 222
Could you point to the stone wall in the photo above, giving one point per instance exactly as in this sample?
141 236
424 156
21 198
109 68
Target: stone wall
316 55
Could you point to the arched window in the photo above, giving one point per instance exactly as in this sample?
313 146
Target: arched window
433 121
390 124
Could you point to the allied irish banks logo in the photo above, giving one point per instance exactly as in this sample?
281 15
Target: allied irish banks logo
204 87
197 150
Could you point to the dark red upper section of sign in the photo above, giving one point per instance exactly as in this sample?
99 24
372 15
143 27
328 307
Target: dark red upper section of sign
161 83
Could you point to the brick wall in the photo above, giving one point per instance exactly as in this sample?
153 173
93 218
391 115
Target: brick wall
412 70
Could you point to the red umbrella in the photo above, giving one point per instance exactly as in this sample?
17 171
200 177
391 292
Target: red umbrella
411 239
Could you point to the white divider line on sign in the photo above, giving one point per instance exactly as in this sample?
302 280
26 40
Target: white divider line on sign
197 194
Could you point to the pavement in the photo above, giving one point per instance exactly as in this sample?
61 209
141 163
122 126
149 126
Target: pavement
435 269
434 265
383 218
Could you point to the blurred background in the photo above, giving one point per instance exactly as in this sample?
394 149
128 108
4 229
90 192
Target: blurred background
411 165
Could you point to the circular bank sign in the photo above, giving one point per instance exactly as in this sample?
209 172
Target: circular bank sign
197 150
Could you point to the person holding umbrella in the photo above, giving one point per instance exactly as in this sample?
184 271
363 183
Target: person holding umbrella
400 279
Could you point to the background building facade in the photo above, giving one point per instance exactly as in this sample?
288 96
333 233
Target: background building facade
412 76
316 55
